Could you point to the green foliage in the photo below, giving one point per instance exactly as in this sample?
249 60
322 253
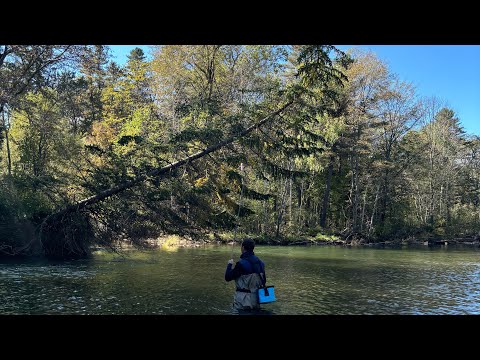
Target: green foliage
349 156
316 66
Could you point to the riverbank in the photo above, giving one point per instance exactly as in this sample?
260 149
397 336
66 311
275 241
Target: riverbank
174 241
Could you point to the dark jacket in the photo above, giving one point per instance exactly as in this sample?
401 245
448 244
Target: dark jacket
247 281
249 263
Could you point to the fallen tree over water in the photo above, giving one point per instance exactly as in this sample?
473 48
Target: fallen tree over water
68 233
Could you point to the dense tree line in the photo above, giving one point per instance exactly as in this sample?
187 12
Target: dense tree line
353 150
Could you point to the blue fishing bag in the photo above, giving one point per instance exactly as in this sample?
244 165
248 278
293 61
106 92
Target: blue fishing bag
266 295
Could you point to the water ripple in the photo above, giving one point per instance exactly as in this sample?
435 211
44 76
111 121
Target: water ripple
316 280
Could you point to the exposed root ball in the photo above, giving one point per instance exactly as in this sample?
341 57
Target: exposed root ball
69 236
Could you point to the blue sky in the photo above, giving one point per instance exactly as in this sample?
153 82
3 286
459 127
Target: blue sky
449 72
120 52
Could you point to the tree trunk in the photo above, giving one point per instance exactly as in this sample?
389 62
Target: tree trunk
354 191
374 209
290 220
282 209
362 217
4 123
9 159
431 174
448 204
326 196
299 220
383 208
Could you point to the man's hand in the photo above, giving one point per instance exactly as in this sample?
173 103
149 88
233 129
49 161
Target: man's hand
230 261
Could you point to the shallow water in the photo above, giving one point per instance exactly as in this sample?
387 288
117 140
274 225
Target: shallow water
308 280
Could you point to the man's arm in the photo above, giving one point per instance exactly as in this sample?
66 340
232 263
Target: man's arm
231 274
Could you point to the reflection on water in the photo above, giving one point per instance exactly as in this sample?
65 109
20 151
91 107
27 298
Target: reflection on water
308 280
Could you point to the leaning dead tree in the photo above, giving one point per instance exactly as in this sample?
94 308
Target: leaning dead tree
56 234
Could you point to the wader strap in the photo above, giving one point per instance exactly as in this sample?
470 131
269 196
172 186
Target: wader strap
259 273
243 290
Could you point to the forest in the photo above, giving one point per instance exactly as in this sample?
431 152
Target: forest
278 143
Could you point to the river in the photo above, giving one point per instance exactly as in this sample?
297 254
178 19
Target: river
318 280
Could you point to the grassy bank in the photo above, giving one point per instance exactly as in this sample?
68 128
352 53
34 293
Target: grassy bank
227 238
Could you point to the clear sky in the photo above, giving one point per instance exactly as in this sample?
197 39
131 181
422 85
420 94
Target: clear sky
120 52
449 72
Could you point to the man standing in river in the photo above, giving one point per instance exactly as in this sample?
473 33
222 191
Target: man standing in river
249 276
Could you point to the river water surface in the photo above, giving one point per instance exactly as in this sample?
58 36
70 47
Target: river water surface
308 280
